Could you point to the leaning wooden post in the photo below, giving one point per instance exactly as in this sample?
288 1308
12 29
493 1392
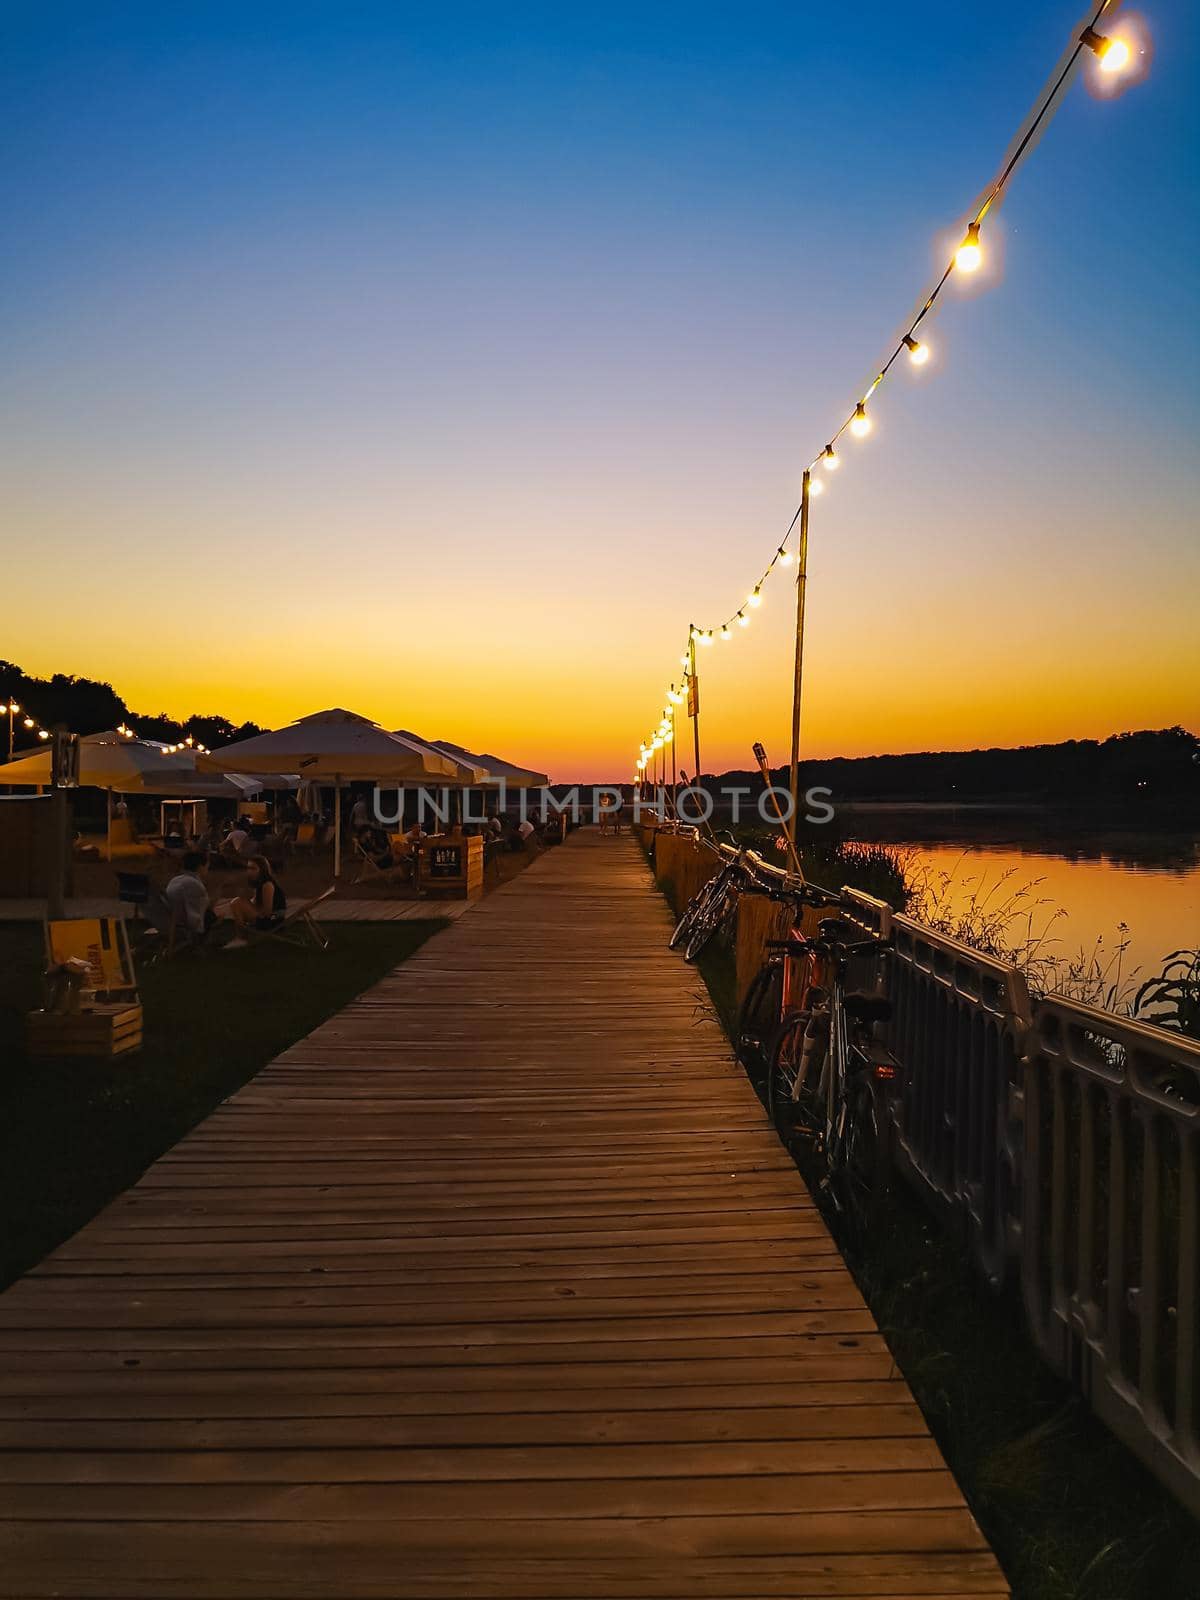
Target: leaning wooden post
693 700
798 681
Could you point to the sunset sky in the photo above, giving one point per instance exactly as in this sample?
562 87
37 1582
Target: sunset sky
443 362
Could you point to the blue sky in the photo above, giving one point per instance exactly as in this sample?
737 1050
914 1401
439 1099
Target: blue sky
567 296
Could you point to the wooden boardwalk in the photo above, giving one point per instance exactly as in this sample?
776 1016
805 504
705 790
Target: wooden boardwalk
498 1284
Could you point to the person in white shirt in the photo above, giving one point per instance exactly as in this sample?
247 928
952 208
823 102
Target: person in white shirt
187 896
525 828
360 815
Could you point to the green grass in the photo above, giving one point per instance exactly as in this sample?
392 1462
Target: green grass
1070 1513
76 1133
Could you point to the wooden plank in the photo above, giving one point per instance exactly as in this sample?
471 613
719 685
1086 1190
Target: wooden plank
486 1288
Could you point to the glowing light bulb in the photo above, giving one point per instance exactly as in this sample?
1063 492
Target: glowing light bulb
725 633
815 486
785 557
918 353
1113 54
754 599
683 660
860 426
969 255
13 708
668 736
42 734
743 620
706 638
830 459
30 723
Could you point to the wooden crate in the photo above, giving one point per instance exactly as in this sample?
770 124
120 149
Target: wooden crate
101 1031
452 864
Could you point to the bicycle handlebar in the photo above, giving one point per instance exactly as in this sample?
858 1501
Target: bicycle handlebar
826 946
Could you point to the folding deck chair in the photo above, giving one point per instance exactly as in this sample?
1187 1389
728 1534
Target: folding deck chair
369 869
297 927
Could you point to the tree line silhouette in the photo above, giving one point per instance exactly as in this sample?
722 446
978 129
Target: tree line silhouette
86 706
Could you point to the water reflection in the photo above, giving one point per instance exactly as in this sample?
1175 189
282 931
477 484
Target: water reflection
1102 877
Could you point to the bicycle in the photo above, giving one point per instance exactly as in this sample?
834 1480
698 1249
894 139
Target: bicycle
779 987
830 1079
707 910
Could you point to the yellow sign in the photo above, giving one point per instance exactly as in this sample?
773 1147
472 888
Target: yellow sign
97 941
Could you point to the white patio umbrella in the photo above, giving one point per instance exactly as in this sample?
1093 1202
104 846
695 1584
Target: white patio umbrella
467 774
117 764
338 746
516 777
109 761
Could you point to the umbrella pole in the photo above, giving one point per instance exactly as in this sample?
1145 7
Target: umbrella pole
108 820
337 827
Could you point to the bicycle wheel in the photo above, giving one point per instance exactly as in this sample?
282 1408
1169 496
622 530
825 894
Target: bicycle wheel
863 1167
691 912
758 1019
710 918
794 1074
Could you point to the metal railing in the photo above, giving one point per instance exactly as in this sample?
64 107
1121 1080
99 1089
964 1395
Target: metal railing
1110 1272
958 1026
1061 1144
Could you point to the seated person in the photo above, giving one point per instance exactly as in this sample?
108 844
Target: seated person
264 906
237 837
187 897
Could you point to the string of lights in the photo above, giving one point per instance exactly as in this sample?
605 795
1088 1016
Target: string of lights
31 725
1114 55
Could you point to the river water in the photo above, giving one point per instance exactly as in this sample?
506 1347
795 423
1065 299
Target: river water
1079 885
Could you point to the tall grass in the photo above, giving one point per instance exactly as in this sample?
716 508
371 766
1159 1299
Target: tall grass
875 869
1011 921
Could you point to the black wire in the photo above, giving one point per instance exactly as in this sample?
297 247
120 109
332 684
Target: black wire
993 194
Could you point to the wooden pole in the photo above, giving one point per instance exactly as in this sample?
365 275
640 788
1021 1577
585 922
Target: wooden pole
798 680
696 694
56 889
337 827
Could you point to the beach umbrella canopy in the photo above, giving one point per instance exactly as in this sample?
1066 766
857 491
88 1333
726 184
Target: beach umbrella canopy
106 761
496 768
467 772
116 763
139 766
336 746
